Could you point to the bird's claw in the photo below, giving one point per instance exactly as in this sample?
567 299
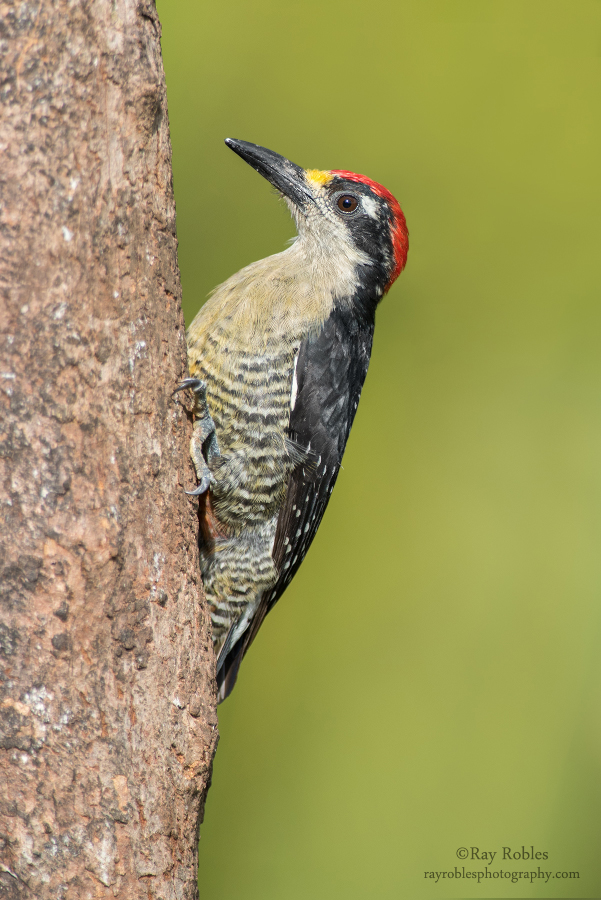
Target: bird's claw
193 384
204 485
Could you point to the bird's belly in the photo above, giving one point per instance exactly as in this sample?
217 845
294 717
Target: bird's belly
249 402
250 406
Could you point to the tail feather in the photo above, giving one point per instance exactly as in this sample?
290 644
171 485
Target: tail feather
228 667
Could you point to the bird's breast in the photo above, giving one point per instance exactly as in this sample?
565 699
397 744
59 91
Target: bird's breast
243 344
249 396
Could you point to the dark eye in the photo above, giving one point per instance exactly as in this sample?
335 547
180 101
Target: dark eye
347 203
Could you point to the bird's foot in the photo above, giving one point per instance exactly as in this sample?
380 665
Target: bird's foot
203 446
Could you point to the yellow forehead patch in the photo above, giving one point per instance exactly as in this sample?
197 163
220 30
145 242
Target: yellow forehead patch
317 176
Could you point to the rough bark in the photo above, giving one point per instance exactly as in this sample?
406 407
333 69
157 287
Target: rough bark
107 700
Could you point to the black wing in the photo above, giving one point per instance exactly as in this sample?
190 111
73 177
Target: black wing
330 372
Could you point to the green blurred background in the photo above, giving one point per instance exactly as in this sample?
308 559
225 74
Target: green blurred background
431 679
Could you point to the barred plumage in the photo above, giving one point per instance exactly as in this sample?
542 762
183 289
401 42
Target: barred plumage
278 357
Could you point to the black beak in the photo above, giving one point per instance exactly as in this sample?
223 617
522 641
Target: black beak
279 171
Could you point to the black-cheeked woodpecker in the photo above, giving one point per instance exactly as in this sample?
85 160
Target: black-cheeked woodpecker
278 356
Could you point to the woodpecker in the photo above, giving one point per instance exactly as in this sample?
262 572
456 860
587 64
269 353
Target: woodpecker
278 356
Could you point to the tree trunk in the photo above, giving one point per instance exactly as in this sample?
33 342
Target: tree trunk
107 702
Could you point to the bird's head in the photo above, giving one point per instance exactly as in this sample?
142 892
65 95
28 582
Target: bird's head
343 217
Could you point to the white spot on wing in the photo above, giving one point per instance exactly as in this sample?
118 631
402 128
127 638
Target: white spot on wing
294 390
